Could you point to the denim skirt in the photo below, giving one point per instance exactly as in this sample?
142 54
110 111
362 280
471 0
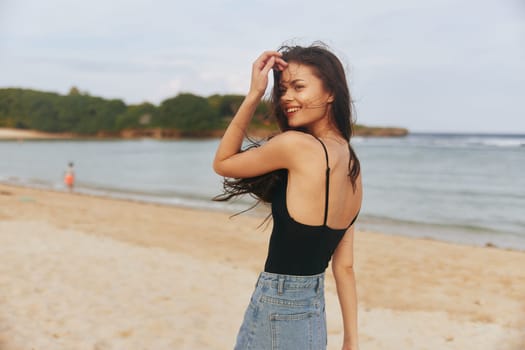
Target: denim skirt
285 313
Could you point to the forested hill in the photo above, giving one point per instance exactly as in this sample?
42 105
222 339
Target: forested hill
85 115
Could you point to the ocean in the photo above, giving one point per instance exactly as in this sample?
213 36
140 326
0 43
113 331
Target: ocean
463 188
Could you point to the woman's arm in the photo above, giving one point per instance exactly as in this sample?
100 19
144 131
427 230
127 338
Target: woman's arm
273 154
342 267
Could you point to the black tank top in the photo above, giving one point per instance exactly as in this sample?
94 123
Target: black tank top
296 248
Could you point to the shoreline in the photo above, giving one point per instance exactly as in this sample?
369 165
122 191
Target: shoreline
9 134
134 268
235 208
140 199
166 134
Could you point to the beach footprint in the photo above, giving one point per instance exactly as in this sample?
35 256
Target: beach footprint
102 345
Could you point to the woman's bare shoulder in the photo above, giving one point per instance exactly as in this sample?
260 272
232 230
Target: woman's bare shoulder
294 139
299 148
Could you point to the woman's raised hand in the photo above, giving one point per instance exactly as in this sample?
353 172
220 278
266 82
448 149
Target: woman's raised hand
260 69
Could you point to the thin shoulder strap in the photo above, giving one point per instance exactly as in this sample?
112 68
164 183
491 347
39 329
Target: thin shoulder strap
327 183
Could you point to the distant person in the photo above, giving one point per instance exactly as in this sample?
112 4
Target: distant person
69 177
311 176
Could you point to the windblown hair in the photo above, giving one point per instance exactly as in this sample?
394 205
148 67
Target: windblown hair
329 69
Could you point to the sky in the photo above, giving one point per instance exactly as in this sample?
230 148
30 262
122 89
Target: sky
429 66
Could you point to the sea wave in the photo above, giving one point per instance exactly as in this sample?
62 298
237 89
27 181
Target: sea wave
496 142
466 140
457 233
444 192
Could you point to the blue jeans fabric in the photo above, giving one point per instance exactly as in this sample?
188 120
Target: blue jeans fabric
285 313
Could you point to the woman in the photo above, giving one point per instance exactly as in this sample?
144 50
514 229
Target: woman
311 176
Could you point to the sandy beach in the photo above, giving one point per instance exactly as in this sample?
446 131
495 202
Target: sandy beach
20 134
84 272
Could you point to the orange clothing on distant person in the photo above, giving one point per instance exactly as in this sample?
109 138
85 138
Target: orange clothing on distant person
69 179
69 176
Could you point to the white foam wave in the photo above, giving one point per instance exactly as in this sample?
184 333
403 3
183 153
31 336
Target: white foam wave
472 141
500 142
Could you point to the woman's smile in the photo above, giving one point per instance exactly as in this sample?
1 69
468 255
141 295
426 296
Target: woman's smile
290 111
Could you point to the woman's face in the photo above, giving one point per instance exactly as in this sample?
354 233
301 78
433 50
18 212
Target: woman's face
304 99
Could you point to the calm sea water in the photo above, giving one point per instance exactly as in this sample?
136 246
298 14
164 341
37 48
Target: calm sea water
462 188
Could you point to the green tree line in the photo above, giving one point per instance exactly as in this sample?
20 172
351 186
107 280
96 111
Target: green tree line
83 114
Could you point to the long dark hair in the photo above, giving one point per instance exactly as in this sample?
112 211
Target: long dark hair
329 69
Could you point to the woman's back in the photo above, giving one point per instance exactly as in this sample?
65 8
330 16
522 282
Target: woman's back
306 187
